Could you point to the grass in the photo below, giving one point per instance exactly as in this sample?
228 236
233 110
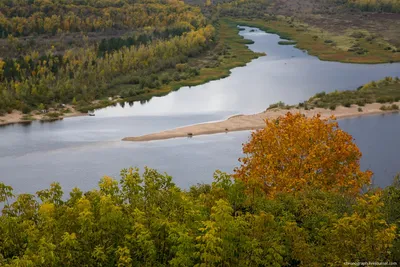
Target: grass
383 91
349 48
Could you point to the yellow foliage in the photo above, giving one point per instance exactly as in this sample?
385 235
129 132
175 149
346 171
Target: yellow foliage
47 209
293 153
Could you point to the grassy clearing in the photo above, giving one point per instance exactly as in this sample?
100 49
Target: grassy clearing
383 91
356 46
213 66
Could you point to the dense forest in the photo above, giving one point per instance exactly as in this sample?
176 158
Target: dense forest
162 36
23 18
294 201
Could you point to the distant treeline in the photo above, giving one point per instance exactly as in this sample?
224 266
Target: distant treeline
26 17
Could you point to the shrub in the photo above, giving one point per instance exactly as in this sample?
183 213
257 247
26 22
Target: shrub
53 115
383 107
384 99
328 41
319 95
26 109
361 103
347 104
360 109
357 35
332 107
394 107
181 67
280 104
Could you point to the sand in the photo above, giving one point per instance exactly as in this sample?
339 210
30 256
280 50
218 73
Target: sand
256 121
16 116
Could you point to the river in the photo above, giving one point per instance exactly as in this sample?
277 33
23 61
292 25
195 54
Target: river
79 151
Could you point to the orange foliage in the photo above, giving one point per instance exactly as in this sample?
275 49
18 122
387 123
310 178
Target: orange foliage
293 153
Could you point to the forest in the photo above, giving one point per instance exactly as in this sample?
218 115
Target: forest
155 36
83 52
299 198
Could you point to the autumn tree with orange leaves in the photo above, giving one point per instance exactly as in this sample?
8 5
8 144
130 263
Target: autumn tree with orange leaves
293 153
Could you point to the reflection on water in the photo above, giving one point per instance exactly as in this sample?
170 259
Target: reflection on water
78 151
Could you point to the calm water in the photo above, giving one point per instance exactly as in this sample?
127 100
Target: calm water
78 151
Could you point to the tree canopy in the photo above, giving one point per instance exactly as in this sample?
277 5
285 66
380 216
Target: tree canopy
146 220
294 152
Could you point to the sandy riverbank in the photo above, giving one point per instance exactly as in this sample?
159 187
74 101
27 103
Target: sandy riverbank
256 121
17 116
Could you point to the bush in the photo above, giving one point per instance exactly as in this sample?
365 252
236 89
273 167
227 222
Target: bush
383 107
181 67
280 104
361 103
347 104
357 35
53 115
26 109
319 95
384 99
332 107
394 107
360 110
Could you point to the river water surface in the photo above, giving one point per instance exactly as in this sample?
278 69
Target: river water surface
79 151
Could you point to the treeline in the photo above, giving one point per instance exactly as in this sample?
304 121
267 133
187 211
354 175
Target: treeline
149 221
22 18
390 6
143 38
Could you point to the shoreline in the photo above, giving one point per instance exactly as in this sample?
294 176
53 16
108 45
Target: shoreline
256 121
230 35
16 116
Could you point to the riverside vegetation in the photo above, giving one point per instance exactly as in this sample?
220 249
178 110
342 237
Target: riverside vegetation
296 200
174 46
385 91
